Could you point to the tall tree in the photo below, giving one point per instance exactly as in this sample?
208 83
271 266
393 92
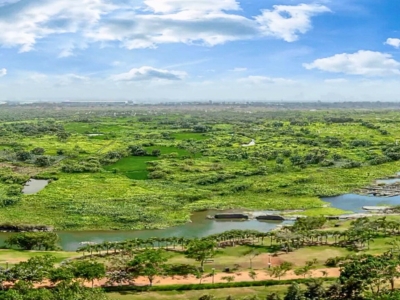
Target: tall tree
88 270
149 263
201 250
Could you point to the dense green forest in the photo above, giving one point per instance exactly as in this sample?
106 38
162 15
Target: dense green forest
149 167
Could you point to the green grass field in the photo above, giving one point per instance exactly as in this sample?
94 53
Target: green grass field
189 136
12 257
134 167
209 170
219 294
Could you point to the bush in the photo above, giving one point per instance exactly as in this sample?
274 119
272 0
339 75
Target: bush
33 240
137 151
157 175
360 143
91 165
308 223
379 160
112 157
333 262
209 286
23 155
43 161
214 179
351 165
38 151
9 201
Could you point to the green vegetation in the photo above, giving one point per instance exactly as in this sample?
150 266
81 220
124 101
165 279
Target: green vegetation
219 260
151 168
218 294
46 241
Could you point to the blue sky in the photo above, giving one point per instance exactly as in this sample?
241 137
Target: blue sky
338 50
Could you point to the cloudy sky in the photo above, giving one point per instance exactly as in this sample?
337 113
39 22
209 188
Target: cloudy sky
329 50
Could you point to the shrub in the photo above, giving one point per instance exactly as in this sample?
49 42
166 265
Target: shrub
351 165
38 151
209 286
135 150
91 165
43 161
23 155
333 262
157 175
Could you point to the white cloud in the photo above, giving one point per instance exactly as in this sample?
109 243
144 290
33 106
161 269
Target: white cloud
335 81
393 42
3 72
201 22
204 22
24 22
168 6
239 70
367 63
135 31
70 79
38 77
149 73
56 79
265 80
287 22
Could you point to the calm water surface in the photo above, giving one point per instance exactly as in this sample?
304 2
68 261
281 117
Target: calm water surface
200 226
355 203
34 186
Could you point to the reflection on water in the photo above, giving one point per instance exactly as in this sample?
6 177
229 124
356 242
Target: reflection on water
34 186
352 202
199 227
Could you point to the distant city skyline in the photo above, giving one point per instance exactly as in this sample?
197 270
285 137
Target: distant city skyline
200 50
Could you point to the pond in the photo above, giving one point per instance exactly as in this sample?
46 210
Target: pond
199 227
34 186
353 202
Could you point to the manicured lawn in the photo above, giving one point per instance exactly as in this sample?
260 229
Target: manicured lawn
16 256
321 254
219 294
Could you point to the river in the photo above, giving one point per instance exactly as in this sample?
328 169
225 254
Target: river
199 227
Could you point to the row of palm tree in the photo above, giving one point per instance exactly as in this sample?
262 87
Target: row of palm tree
358 236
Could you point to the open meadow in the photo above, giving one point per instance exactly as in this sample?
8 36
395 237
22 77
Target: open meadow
144 168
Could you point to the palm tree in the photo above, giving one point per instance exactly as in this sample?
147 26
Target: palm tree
107 246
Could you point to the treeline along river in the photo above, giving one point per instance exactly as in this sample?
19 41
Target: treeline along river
201 226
